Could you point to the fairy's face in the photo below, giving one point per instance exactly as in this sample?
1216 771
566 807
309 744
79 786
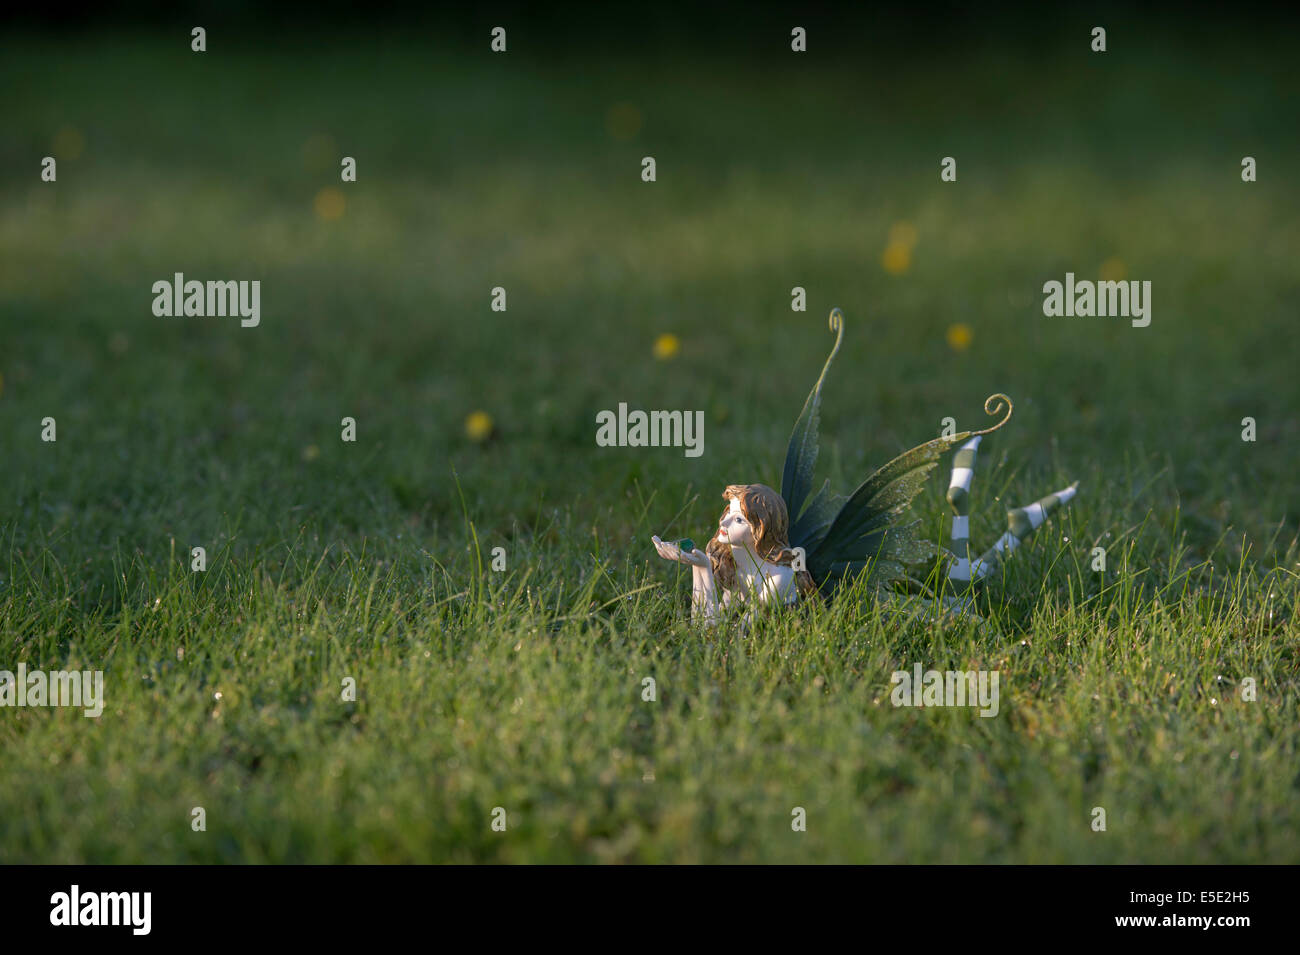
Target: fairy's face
734 529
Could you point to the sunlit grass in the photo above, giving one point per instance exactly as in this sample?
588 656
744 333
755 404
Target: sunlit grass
523 688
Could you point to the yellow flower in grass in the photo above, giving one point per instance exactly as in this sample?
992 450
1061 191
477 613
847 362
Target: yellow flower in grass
478 426
623 121
1113 270
897 257
959 336
68 143
330 203
667 346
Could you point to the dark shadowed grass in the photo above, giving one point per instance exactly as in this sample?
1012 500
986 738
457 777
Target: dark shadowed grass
523 689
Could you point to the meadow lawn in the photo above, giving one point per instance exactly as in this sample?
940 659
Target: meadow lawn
522 689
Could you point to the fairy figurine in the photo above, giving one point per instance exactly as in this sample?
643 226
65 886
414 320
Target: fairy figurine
760 555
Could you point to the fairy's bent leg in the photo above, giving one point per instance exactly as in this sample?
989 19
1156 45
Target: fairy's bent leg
1021 522
963 470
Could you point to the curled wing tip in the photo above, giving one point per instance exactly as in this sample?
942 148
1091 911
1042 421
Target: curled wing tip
801 454
836 323
995 404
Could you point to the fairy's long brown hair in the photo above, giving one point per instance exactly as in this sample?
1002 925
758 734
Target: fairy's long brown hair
767 515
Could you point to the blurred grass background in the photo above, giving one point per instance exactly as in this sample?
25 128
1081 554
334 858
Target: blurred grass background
775 169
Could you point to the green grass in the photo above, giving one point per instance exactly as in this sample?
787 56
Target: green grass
523 689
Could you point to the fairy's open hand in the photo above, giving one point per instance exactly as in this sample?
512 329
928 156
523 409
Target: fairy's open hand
669 550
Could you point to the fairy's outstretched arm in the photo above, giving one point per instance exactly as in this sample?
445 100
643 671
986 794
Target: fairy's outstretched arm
705 603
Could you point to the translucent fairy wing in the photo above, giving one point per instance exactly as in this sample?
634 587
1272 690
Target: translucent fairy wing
801 455
811 527
868 530
844 536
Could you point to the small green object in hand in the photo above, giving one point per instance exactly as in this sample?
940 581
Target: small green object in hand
686 544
